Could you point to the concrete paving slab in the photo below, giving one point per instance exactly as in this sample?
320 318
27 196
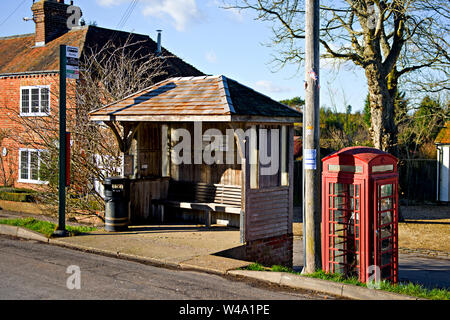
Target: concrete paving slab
214 264
172 244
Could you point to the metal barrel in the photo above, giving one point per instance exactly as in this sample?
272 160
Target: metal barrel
116 204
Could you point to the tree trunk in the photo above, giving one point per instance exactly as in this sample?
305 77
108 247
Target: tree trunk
383 130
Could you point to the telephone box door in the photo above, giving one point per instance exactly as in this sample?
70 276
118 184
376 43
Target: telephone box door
385 227
343 226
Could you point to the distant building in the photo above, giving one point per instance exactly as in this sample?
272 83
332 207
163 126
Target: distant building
443 166
29 69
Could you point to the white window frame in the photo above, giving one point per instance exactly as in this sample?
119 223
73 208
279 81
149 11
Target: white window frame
35 114
20 179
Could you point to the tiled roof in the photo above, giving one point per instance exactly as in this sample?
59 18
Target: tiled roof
207 96
18 53
444 135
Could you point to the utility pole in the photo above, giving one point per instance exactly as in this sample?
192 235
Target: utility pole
311 145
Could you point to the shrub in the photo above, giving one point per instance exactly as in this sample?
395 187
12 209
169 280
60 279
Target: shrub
17 194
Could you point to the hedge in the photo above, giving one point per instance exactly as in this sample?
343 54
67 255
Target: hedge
16 194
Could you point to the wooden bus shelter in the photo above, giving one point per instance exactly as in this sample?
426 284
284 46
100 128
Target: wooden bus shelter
232 190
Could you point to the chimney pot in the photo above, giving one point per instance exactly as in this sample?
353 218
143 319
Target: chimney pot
158 44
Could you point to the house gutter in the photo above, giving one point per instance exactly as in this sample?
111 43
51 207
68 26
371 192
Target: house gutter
27 73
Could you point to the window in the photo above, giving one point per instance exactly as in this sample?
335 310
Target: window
29 165
35 101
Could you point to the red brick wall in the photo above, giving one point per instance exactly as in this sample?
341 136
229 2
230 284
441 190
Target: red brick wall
271 251
10 119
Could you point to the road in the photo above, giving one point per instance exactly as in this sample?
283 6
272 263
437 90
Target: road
33 270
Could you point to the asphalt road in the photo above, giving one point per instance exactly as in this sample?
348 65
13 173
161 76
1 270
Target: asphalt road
33 270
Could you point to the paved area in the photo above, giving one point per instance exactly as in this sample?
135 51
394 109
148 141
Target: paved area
216 249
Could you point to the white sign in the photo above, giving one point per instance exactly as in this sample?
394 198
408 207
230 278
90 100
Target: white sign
310 157
72 69
72 52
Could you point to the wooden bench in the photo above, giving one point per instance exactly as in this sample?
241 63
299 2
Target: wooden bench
203 197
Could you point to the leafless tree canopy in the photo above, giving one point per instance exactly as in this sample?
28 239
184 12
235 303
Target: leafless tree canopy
106 75
388 39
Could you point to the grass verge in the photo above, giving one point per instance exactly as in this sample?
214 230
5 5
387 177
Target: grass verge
44 227
410 289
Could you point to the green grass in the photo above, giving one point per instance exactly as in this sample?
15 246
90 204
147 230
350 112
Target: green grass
410 289
44 227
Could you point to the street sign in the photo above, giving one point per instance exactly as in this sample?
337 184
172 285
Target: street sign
72 60
72 52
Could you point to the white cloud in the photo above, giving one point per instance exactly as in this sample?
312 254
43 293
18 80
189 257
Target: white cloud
181 12
270 87
109 3
211 56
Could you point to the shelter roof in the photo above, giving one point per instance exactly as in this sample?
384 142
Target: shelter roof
204 98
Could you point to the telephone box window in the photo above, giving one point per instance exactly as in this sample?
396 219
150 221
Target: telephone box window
346 168
384 168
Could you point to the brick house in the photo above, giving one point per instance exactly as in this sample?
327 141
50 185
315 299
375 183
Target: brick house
29 77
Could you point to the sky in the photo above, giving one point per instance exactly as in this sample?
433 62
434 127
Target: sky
215 40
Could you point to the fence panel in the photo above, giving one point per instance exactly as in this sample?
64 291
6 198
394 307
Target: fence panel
417 180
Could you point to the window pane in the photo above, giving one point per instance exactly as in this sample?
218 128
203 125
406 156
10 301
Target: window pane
386 204
384 168
45 98
25 100
35 100
386 258
386 217
340 188
386 190
386 272
386 231
24 165
386 244
34 165
339 216
339 203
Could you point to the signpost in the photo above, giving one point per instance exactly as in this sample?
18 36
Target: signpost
68 68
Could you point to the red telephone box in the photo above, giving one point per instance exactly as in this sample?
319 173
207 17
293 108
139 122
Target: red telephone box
360 213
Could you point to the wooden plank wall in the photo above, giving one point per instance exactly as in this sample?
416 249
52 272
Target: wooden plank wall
142 192
227 174
269 209
267 213
149 150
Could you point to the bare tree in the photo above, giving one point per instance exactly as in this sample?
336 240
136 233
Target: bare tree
388 39
106 75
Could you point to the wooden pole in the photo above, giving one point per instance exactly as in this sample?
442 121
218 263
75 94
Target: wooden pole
311 155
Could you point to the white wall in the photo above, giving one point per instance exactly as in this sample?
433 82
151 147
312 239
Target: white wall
444 172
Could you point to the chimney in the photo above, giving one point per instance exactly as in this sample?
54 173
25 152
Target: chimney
158 44
50 17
